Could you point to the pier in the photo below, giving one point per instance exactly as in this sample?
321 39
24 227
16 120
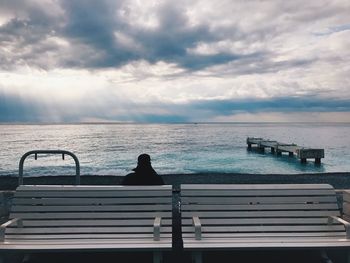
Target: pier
278 148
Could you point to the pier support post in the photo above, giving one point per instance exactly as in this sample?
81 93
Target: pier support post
303 160
262 149
249 146
279 153
291 154
272 150
317 160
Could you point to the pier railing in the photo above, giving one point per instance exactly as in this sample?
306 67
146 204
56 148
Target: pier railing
61 152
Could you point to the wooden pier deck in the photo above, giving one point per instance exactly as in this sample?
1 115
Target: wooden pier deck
278 148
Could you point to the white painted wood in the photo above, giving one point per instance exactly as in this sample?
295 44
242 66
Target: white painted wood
84 208
258 221
261 216
254 186
95 188
123 236
242 207
85 218
254 214
260 200
92 215
265 235
88 200
96 222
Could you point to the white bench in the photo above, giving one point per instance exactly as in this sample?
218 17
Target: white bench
89 218
242 217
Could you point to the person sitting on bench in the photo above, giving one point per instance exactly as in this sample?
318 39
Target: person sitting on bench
143 174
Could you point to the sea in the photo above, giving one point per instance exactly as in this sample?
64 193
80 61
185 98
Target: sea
182 148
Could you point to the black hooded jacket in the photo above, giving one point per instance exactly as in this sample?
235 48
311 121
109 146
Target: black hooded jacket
143 174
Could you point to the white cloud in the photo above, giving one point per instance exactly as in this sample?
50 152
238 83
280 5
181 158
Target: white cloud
173 52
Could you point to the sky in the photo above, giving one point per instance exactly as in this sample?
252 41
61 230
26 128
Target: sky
174 61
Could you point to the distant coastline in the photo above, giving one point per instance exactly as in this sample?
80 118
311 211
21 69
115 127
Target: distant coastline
168 123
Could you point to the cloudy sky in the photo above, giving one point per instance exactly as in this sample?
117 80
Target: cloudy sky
174 61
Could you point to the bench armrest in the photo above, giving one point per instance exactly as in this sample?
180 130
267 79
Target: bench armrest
156 228
197 227
331 219
18 221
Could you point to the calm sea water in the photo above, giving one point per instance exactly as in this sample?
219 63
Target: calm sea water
112 149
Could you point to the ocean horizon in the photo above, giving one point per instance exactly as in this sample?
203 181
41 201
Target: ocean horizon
175 148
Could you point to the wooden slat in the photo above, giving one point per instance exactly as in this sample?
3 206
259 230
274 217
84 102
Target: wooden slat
95 188
261 200
87 236
253 186
280 207
283 229
98 222
91 215
255 221
88 246
101 208
265 235
70 230
243 214
33 194
267 244
263 192
97 201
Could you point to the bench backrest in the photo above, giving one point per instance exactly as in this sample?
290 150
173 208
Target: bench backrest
260 210
91 212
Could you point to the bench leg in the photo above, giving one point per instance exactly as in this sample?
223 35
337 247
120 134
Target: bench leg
157 257
197 257
324 257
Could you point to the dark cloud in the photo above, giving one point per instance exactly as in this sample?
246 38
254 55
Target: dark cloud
90 27
16 109
281 104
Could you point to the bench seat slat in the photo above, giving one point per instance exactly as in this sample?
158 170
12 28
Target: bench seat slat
262 200
66 194
266 235
269 192
312 244
97 222
102 208
91 215
87 236
254 221
89 200
254 214
88 246
118 188
49 230
185 187
285 229
203 207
